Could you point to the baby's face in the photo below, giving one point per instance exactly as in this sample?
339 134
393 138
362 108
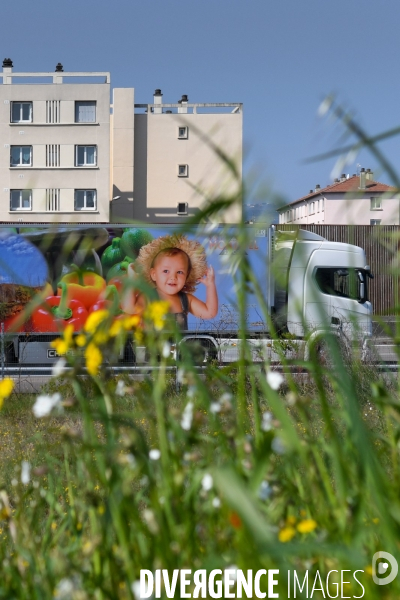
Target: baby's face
170 273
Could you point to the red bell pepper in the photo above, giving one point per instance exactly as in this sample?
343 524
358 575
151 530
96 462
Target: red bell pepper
84 286
57 312
15 323
20 321
109 300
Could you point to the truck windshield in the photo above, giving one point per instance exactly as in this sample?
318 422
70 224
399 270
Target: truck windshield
343 282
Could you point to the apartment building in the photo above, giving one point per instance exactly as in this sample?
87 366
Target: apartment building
67 155
55 150
166 158
350 200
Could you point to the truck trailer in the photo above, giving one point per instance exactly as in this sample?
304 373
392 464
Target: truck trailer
303 285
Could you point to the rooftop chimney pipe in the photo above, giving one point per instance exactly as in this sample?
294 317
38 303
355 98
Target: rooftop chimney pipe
363 179
183 104
158 101
7 70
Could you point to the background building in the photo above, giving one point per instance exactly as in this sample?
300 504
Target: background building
355 200
165 157
68 156
55 151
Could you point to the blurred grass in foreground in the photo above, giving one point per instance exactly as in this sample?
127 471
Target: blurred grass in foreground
237 468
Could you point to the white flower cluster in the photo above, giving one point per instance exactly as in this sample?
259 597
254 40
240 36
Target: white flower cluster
45 404
187 416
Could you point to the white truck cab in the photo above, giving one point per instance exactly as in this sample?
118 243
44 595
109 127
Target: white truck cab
327 286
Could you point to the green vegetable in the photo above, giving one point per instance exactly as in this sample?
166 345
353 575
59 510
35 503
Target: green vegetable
112 255
120 268
133 239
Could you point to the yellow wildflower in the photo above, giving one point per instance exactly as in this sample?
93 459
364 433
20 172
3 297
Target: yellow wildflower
100 337
156 312
94 358
286 534
138 336
94 320
306 526
368 569
68 334
291 520
116 328
6 387
131 322
59 345
80 340
62 345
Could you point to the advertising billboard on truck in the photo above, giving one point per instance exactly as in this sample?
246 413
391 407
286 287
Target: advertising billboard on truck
54 275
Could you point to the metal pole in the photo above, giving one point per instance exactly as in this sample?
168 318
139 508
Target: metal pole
2 351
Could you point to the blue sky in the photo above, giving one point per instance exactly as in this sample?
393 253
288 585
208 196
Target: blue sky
279 58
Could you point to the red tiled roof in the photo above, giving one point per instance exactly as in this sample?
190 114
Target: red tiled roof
348 185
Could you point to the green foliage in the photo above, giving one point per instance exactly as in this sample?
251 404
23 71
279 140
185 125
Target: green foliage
200 469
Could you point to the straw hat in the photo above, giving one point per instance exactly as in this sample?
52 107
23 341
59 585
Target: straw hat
194 250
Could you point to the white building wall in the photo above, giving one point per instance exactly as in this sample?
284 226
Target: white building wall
357 211
159 188
338 209
122 153
66 135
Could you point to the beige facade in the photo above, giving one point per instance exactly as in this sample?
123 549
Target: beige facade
355 200
55 151
176 168
67 155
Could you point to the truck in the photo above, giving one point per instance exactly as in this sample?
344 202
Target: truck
304 287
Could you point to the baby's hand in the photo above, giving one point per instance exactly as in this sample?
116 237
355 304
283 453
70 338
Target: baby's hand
209 277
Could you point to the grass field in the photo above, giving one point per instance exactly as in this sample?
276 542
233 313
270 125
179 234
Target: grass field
233 469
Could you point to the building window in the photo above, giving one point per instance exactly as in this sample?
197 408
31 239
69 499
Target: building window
85 112
182 208
21 156
183 170
376 203
85 156
85 199
21 112
21 200
183 133
312 208
375 221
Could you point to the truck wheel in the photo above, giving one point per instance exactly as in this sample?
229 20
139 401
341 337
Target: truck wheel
201 351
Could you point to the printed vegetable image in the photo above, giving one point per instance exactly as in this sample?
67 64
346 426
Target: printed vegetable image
112 255
23 274
109 300
57 312
120 269
133 239
87 261
84 286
